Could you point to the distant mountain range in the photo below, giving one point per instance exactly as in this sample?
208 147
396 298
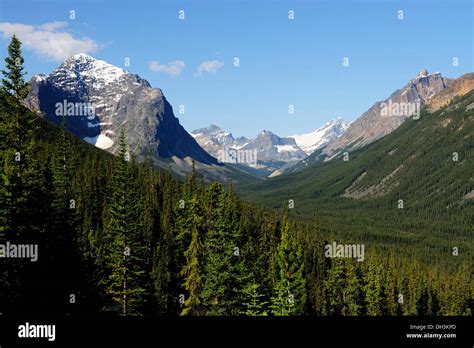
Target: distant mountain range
267 150
272 151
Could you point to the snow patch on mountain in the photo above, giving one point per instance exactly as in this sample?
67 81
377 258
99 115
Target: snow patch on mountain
290 148
312 141
101 141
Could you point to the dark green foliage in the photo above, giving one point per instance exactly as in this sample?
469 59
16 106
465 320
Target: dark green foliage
375 289
223 278
289 296
192 270
21 214
123 255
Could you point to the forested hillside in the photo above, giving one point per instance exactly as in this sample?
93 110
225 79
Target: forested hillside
411 191
121 237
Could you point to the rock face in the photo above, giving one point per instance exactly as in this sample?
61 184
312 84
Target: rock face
270 147
315 140
213 139
458 87
100 99
385 116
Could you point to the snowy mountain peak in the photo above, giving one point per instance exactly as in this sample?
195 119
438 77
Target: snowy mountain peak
310 142
81 56
83 66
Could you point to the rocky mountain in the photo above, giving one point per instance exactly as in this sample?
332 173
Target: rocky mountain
213 139
315 140
385 116
272 148
457 88
99 99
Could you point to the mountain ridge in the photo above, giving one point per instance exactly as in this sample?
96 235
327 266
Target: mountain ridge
374 124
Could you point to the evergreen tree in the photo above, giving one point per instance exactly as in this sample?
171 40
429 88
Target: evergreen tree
223 267
13 83
289 294
253 301
62 173
353 293
18 131
334 287
317 266
192 270
374 288
124 255
164 263
391 288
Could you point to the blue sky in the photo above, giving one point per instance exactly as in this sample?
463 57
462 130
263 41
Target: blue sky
282 61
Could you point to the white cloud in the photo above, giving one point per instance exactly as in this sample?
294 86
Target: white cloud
172 68
47 40
53 26
209 66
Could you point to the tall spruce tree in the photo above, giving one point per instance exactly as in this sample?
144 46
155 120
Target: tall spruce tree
353 293
62 267
165 270
289 296
223 266
334 287
374 288
192 269
18 131
62 206
124 255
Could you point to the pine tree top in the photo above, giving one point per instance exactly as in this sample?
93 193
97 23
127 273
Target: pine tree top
13 82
